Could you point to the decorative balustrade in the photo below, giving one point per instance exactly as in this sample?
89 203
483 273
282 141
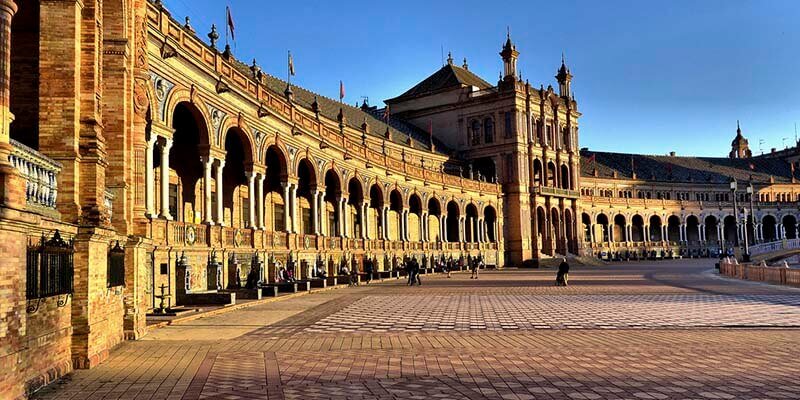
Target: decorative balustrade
786 244
40 173
554 191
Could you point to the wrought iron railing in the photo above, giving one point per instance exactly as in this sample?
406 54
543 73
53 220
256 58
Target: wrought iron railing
40 173
49 269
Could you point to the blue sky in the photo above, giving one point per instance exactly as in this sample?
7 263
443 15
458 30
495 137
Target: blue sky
650 77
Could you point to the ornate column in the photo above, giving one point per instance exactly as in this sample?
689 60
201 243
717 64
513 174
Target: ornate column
220 215
149 178
320 199
592 235
442 228
207 164
314 204
423 226
293 198
287 216
363 215
260 201
165 179
385 219
251 198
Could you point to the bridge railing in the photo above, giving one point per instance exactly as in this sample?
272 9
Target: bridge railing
785 244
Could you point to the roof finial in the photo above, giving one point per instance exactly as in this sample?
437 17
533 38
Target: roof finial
738 129
465 66
563 59
449 58
508 32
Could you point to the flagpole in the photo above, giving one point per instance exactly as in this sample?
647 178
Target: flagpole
289 69
227 24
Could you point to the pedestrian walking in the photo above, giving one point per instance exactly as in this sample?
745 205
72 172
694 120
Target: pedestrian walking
562 277
474 267
368 270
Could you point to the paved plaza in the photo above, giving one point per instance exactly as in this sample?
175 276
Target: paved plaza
660 330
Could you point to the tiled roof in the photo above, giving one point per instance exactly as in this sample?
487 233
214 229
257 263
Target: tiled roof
683 169
354 116
446 77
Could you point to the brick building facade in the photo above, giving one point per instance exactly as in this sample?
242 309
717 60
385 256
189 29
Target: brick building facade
136 159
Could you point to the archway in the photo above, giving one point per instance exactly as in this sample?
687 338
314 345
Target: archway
490 219
569 234
768 229
414 218
376 211
551 174
274 184
395 215
306 189
655 229
565 178
186 168
333 207
637 228
586 221
619 229
355 203
555 228
673 229
602 224
471 224
235 191
729 231
790 226
537 172
692 230
711 232
452 221
434 218
24 74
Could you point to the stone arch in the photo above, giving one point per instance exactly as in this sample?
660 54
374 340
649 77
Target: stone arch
637 228
490 218
471 221
692 229
586 223
603 223
538 172
565 178
769 223
453 215
247 141
355 200
620 223
183 96
655 232
789 222
711 232
674 229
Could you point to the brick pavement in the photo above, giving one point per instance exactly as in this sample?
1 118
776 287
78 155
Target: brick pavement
464 339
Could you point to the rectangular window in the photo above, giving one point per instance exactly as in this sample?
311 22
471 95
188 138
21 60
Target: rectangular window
509 126
278 223
173 202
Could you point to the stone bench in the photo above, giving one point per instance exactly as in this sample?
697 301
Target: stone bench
242 293
283 287
319 283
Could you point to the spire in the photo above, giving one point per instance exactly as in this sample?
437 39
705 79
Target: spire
465 66
449 58
509 55
564 78
740 148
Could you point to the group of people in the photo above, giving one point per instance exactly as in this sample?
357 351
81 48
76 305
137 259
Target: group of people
412 269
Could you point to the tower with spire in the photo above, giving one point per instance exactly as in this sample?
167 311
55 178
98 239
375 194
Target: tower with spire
739 146
509 55
564 78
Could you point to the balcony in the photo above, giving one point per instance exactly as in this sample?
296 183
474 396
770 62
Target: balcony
553 191
40 173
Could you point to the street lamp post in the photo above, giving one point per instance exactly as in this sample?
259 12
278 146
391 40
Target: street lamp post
746 257
751 192
735 212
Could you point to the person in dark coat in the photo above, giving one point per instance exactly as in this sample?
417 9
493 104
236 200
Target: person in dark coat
562 277
368 270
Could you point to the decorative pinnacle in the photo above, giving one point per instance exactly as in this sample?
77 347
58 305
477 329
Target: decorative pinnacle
213 36
449 58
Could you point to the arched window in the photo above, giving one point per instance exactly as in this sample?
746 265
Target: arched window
476 132
488 130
